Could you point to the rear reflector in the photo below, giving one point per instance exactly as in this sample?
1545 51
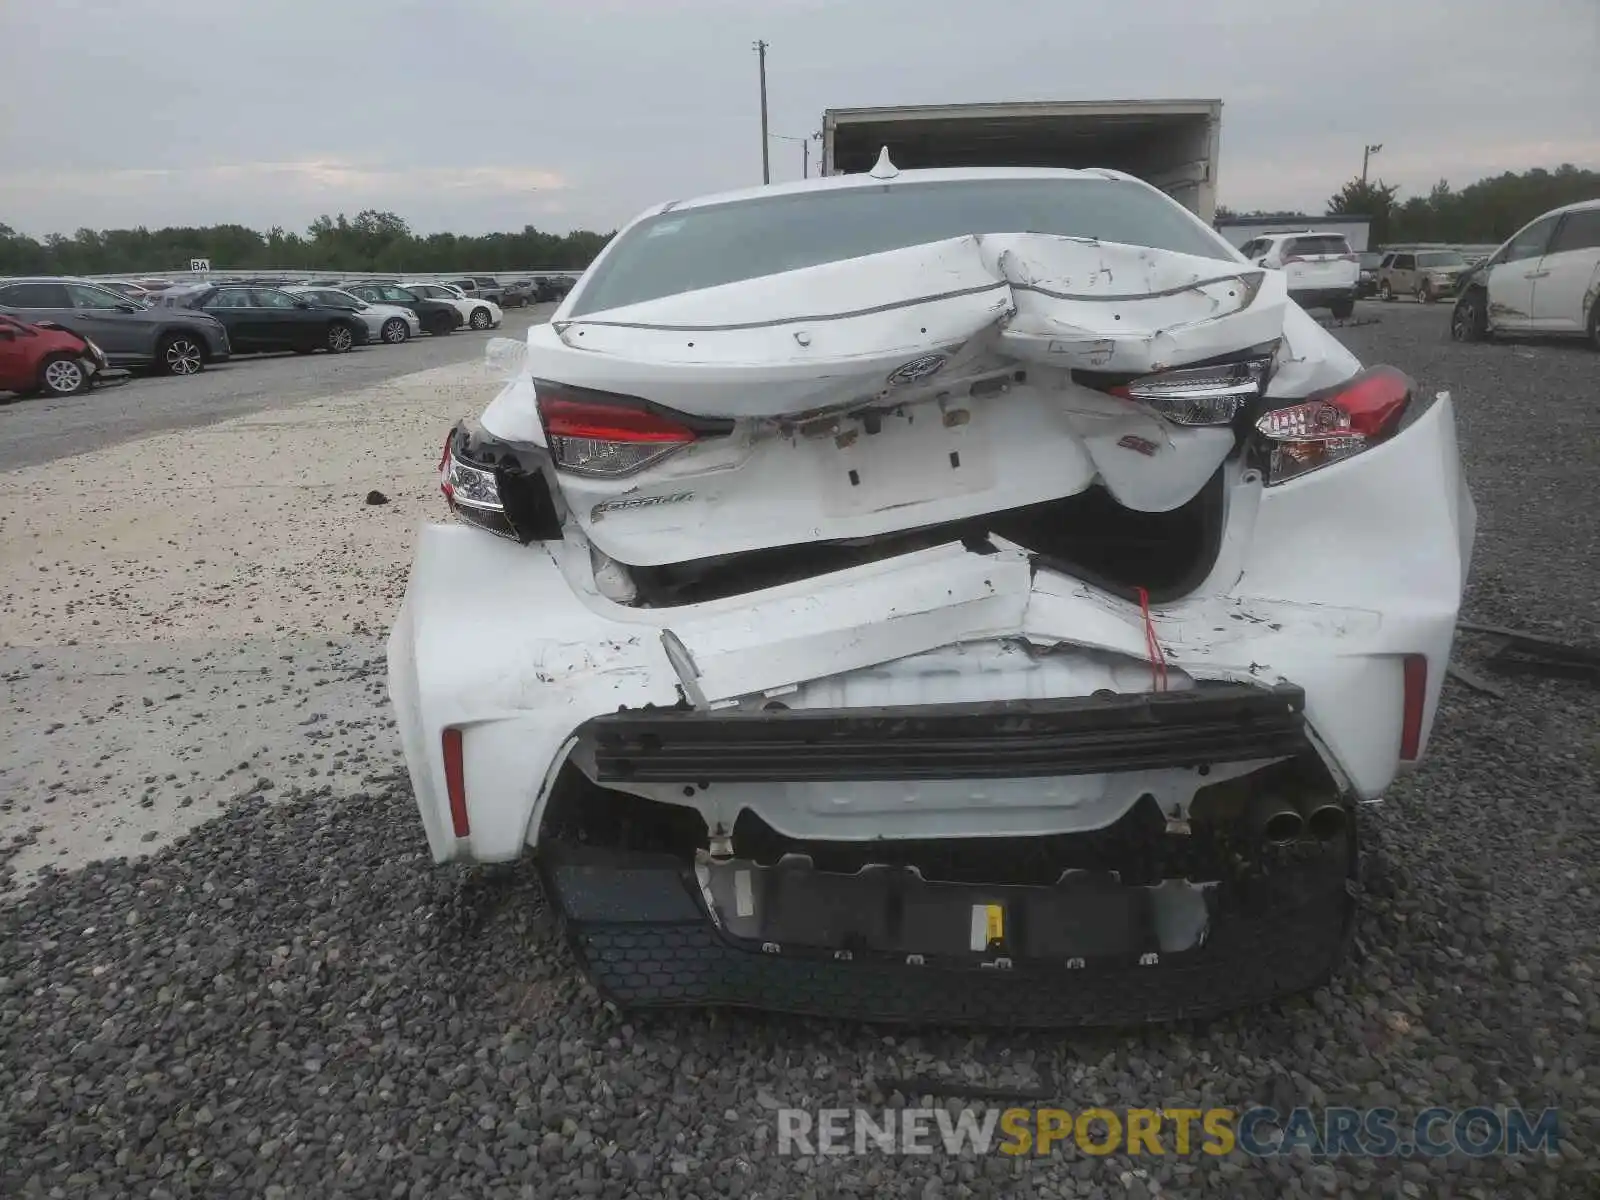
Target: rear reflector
455 785
1416 697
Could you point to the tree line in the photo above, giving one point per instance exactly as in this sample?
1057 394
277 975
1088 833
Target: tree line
1490 210
369 241
1485 212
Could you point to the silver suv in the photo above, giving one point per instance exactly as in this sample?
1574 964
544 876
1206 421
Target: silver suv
173 340
1426 274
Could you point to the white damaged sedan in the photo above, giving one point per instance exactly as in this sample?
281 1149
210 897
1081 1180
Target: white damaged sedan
964 595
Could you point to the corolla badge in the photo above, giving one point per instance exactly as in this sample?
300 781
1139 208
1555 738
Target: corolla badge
917 368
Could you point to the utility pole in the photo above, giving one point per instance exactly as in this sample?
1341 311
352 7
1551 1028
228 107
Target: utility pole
805 151
1366 154
766 157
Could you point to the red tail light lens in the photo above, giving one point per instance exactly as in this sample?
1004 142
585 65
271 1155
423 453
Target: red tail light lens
1334 424
598 434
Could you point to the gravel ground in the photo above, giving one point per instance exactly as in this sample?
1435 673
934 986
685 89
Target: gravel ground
291 1001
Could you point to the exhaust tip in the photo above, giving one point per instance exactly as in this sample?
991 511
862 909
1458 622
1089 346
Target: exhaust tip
1326 822
1282 826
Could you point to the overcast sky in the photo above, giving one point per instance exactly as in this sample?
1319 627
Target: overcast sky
475 115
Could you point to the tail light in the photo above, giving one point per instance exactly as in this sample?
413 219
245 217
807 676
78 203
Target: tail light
1206 395
500 487
608 436
1334 424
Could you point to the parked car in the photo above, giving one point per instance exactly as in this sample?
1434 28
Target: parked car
480 287
131 290
260 319
1322 270
130 332
48 358
438 317
479 314
1544 280
516 294
1428 275
548 289
841 635
1367 281
391 323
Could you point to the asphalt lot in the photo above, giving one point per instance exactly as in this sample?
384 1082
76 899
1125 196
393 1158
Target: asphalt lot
291 1000
39 430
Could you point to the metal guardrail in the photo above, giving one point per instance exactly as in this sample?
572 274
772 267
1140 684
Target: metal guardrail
220 273
1470 248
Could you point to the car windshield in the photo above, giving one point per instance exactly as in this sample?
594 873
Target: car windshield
687 249
1441 258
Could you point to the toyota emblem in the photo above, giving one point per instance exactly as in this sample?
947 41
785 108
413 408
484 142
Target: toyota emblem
917 368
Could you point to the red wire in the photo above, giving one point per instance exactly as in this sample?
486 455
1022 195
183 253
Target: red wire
1152 647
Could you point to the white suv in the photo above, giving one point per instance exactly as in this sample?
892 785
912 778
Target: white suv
1323 271
1546 279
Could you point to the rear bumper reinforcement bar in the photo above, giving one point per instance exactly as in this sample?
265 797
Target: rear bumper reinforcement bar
1080 735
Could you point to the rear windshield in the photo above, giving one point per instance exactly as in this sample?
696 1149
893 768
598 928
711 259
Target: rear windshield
1440 258
696 248
1322 243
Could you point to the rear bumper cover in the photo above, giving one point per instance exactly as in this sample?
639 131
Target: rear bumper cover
1319 297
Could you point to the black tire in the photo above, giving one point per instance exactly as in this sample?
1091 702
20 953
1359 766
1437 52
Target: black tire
479 319
1342 309
1594 324
1470 320
180 354
62 375
341 338
394 331
1385 292
1424 293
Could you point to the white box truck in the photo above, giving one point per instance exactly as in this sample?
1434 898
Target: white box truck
1172 144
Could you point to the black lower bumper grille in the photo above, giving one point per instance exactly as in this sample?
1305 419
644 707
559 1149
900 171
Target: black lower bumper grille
645 939
1085 735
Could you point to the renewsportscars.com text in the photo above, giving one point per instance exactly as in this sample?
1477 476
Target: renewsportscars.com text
1332 1132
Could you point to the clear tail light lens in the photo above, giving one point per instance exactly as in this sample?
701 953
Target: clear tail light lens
606 436
1334 424
1209 395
